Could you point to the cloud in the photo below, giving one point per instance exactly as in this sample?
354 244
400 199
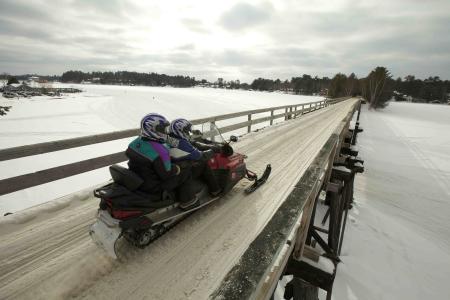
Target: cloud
24 10
235 39
195 25
243 15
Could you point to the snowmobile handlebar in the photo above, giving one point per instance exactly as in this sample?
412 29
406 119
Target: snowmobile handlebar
207 154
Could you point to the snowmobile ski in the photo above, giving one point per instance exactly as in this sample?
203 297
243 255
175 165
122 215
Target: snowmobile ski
259 181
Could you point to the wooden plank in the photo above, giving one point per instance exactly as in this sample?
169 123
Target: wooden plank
311 274
303 290
40 148
235 126
21 182
304 224
311 253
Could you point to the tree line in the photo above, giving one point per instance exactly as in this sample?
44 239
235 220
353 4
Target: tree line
305 85
125 77
377 87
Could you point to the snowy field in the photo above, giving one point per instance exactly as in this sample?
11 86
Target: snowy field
101 109
397 242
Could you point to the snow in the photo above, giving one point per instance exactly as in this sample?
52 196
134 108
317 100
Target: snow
52 256
342 168
100 109
397 242
324 264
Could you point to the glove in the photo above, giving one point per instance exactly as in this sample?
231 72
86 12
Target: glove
208 154
227 150
216 148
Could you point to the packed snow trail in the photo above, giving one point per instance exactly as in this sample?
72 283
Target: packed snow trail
52 256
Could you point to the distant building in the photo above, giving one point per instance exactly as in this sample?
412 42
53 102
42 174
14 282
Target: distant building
323 92
33 79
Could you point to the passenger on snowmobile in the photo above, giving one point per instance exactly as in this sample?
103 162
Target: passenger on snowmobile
149 157
188 156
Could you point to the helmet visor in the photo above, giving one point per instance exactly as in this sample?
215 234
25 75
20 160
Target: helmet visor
161 128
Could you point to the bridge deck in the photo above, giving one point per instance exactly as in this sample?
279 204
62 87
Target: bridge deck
52 256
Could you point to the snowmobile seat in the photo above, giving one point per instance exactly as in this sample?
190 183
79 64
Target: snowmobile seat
124 199
125 177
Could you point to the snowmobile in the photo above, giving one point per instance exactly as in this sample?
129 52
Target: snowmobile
140 218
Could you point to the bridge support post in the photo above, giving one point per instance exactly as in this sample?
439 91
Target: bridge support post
299 289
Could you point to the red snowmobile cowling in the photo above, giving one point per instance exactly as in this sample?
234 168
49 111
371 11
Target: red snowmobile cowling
220 161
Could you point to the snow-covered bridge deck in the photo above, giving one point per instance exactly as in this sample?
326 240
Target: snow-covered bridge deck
52 256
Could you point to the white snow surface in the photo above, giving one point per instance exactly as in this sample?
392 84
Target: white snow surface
101 109
397 242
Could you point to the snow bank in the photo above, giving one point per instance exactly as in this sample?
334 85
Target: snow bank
397 244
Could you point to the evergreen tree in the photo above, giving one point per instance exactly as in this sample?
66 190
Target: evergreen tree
338 86
12 80
378 87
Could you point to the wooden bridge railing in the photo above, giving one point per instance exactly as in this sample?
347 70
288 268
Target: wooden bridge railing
21 182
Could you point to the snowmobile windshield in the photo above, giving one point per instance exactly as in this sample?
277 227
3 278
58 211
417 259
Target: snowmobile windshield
211 132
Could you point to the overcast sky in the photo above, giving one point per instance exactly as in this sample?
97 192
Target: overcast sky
230 39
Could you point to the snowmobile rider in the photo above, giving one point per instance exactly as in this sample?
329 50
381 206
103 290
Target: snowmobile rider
149 157
187 155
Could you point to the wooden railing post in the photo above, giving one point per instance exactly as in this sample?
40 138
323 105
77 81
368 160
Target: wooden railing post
271 117
213 123
249 127
285 114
